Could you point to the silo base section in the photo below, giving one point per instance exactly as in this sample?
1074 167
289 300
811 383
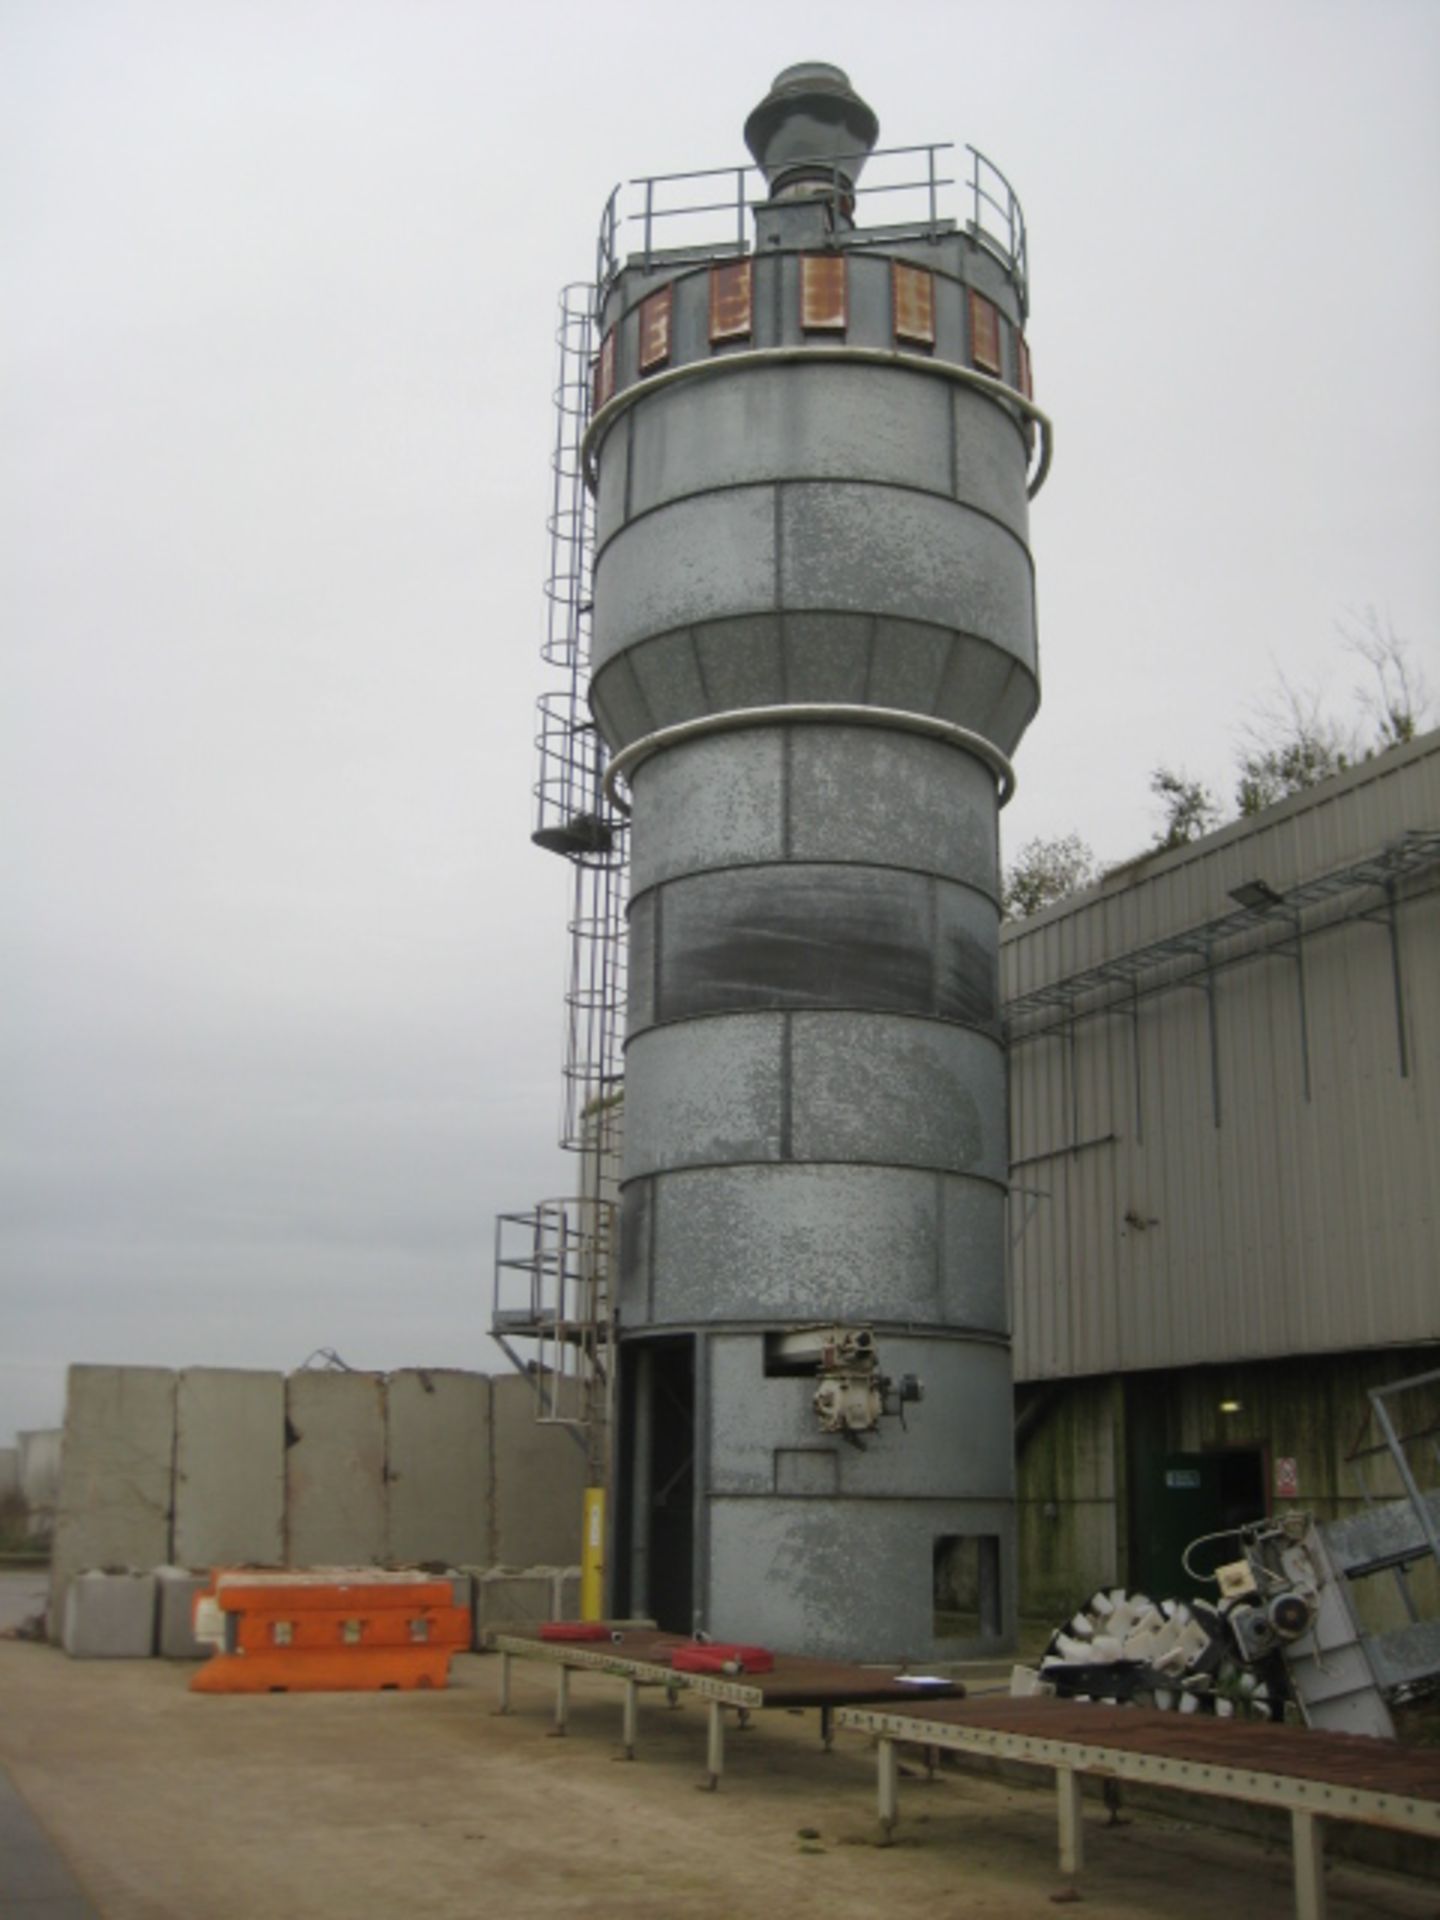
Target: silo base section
738 1513
893 1580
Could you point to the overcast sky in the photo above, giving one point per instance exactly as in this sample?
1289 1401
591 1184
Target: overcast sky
281 1002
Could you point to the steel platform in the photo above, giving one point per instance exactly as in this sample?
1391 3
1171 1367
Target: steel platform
1312 1776
641 1657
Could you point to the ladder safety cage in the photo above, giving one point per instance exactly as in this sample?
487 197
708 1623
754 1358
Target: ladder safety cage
552 1274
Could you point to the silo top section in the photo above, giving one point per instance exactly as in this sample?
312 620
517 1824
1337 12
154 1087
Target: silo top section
811 129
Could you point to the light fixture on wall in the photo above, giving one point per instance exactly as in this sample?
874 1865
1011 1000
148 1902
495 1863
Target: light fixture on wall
1231 1406
1258 895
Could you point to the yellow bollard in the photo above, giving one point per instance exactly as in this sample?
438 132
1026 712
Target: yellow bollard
592 1556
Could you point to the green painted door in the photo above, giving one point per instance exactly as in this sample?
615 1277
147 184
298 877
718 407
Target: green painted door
1176 1500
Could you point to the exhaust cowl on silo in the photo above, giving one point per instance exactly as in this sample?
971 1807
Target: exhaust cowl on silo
814 650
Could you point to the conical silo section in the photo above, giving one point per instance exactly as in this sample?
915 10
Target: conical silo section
814 652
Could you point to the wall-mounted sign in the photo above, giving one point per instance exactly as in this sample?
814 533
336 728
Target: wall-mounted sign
1182 1477
1287 1478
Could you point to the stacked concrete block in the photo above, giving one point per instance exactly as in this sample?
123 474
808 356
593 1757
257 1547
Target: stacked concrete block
540 1478
39 1453
110 1616
567 1594
440 1468
176 1588
336 1500
116 1469
229 1468
522 1599
509 1599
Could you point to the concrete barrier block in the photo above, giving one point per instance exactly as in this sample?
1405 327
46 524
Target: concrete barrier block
229 1468
176 1588
567 1594
540 1478
508 1599
110 1616
439 1467
39 1454
116 1467
336 1500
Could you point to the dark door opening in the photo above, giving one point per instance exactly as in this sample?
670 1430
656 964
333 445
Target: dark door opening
656 1483
1178 1499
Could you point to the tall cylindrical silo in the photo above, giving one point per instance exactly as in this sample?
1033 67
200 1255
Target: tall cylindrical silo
814 649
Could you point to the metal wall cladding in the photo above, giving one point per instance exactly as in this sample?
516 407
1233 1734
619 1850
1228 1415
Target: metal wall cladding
812 1243
955 1444
815 1083
833 793
805 1572
922 569
813 532
1144 1234
813 935
863 1088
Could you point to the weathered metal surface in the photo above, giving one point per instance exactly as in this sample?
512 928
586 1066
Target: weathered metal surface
795 1680
815 1088
1345 1760
1293 1226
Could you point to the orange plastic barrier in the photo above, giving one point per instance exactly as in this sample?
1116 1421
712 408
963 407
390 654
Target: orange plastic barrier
306 1633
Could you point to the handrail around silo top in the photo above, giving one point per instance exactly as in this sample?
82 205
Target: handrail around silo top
835 713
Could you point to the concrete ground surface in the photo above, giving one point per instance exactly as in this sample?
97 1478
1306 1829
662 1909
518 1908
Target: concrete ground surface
166 1804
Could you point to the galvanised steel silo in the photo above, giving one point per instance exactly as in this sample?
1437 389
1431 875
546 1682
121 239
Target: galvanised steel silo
814 649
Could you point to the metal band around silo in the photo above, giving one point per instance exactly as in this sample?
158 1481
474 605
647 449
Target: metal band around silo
822 356
810 711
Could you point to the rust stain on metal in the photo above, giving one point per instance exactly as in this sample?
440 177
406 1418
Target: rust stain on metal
1026 372
984 332
655 329
822 293
731 302
913 296
1342 1759
794 1681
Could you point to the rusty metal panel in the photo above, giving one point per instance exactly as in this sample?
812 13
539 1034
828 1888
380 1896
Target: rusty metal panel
912 292
1176 1197
823 302
984 333
731 302
603 377
1024 370
655 329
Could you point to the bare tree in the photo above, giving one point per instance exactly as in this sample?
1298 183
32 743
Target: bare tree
1290 744
1190 808
1044 871
1397 702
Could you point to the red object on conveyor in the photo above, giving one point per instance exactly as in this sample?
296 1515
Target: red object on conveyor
575 1630
722 1657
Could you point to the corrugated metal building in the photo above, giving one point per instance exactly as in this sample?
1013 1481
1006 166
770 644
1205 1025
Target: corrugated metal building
1225 1146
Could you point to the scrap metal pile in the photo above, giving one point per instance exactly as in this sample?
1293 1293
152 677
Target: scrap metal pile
1179 1655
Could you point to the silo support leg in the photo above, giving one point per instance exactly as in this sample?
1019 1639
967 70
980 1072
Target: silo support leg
562 1701
503 1705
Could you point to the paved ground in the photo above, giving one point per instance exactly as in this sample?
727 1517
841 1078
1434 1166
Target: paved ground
169 1805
